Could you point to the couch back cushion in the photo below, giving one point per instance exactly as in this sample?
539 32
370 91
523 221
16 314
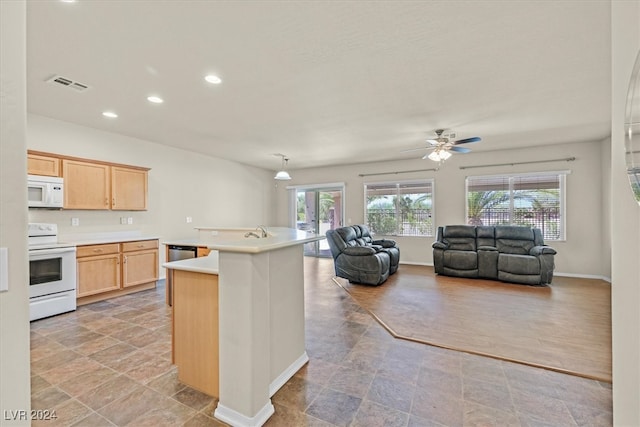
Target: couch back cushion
514 240
460 237
348 235
485 235
364 235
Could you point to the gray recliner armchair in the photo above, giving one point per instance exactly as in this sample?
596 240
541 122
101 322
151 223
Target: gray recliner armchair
361 259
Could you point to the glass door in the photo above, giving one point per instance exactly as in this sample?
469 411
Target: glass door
318 210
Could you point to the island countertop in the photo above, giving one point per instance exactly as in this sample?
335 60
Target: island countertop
205 264
279 237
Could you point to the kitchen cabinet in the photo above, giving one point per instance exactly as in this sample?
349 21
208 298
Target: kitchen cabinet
128 188
86 185
139 262
202 251
98 269
43 165
93 184
113 269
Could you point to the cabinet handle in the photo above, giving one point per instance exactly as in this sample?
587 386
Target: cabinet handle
125 259
106 201
113 201
97 250
141 246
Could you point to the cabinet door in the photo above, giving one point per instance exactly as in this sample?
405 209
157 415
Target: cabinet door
98 274
128 189
139 267
43 165
86 185
202 251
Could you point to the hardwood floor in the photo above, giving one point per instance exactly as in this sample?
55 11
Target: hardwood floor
564 327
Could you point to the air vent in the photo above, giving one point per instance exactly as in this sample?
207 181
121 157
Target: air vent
71 84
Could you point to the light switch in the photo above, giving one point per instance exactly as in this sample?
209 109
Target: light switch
130 220
75 222
4 269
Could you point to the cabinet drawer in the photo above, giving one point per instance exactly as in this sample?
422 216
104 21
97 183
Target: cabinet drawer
139 245
92 250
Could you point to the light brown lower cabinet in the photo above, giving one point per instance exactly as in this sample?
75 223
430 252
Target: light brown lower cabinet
195 331
112 269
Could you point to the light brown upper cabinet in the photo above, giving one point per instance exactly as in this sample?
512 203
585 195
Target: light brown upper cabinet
43 165
94 184
128 189
86 185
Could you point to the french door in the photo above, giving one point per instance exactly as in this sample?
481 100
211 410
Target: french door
318 209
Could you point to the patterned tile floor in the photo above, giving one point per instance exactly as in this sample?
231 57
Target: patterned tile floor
108 364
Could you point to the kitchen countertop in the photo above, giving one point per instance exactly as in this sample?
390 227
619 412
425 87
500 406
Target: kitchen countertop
99 240
279 237
233 240
206 264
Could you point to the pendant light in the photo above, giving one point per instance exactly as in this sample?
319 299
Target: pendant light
282 174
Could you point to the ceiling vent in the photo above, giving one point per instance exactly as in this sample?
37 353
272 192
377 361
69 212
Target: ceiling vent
71 84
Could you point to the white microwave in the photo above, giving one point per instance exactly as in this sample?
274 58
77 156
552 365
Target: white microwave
45 192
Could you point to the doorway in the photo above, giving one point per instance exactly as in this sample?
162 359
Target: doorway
318 209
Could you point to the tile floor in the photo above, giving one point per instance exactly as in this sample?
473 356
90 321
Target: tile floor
108 364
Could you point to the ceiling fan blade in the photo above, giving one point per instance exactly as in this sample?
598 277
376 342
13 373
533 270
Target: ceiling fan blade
413 149
433 141
467 140
460 149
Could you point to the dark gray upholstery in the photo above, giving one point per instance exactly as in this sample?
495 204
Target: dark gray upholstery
361 259
508 253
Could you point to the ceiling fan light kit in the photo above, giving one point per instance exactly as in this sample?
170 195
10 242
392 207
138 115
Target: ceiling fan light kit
442 147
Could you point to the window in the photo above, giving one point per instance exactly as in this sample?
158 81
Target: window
400 208
533 200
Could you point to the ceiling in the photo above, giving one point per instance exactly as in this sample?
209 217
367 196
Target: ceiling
325 83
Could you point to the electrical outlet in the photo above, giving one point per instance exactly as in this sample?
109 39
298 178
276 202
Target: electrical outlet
189 220
75 222
123 220
130 220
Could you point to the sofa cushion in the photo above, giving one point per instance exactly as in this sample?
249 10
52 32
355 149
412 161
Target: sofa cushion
485 235
461 260
460 237
518 264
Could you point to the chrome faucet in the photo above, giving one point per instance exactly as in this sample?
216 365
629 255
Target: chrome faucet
263 229
251 234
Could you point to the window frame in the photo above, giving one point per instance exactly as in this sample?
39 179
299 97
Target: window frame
510 177
398 186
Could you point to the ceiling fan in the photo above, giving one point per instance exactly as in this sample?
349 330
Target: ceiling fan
441 147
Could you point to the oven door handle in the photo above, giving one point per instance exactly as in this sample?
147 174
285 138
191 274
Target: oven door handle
51 251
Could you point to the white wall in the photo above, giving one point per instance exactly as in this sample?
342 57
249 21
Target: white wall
15 390
625 230
581 254
214 192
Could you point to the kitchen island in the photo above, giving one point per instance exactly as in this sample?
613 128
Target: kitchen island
238 320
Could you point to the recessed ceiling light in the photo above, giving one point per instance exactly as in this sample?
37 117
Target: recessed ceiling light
155 99
109 114
68 1
213 79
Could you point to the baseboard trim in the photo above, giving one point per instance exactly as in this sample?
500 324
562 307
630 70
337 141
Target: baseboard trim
237 419
578 276
583 276
288 373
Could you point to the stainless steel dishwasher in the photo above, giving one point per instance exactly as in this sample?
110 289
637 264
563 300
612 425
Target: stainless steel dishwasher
177 253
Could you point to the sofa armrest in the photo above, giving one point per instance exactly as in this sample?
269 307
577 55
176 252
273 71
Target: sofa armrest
385 243
359 250
488 248
439 245
539 250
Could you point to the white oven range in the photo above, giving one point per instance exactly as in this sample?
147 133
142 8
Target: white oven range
52 272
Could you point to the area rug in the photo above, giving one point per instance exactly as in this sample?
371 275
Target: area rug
565 326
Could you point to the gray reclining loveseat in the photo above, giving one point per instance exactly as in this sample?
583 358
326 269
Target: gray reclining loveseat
359 258
503 252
